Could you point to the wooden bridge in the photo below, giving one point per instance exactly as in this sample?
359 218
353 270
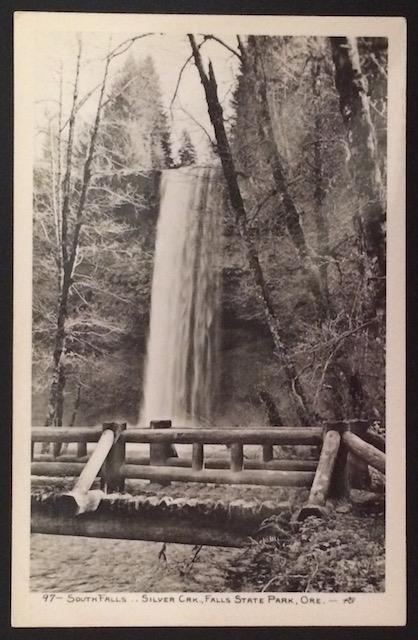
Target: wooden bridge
111 513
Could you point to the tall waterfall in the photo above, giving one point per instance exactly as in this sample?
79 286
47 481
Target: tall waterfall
180 375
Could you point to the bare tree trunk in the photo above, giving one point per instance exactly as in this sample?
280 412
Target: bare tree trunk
293 220
58 372
216 116
69 253
363 161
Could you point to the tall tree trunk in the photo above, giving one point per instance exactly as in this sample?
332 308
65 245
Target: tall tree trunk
216 116
321 218
364 166
56 393
69 251
58 371
293 220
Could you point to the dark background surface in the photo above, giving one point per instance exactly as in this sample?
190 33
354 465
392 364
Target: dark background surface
310 7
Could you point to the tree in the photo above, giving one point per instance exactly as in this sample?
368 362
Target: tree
266 132
335 356
187 152
363 160
208 81
75 209
68 245
135 133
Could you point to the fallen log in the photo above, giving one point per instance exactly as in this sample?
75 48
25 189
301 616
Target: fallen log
184 521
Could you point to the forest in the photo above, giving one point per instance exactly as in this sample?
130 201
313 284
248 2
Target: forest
303 152
298 141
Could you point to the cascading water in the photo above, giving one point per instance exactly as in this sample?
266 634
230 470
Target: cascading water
180 375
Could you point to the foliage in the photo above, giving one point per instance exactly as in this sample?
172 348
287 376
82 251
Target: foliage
109 297
341 554
187 152
340 357
135 134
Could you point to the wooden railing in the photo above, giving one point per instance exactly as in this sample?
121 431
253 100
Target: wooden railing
161 466
339 446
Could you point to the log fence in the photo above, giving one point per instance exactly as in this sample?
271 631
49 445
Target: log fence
326 476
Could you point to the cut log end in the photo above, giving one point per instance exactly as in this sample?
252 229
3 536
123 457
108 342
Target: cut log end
308 510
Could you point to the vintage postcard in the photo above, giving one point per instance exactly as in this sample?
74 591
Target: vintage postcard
209 321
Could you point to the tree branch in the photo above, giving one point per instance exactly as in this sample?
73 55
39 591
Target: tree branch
213 143
221 42
181 73
126 44
87 172
67 177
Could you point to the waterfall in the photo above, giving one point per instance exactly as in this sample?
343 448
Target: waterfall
180 374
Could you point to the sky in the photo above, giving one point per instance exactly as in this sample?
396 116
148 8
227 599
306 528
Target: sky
169 53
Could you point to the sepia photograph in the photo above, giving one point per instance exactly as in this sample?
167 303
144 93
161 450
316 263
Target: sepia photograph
204 368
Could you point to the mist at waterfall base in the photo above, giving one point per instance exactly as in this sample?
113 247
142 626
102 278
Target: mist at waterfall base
183 345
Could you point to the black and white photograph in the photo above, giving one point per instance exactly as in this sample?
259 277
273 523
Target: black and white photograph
210 324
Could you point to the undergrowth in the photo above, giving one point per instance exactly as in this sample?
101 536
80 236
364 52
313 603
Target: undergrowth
343 553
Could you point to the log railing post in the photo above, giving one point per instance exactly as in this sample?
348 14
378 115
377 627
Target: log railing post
159 452
267 452
111 479
81 449
340 486
357 469
197 456
237 457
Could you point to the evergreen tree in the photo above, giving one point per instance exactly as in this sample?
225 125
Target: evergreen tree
136 133
187 151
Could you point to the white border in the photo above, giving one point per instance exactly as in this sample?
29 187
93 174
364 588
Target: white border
389 608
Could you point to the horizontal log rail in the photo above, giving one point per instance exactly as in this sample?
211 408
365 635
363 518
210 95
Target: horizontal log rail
157 474
375 439
223 463
218 476
365 451
66 434
47 457
42 463
260 435
274 477
57 469
277 435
